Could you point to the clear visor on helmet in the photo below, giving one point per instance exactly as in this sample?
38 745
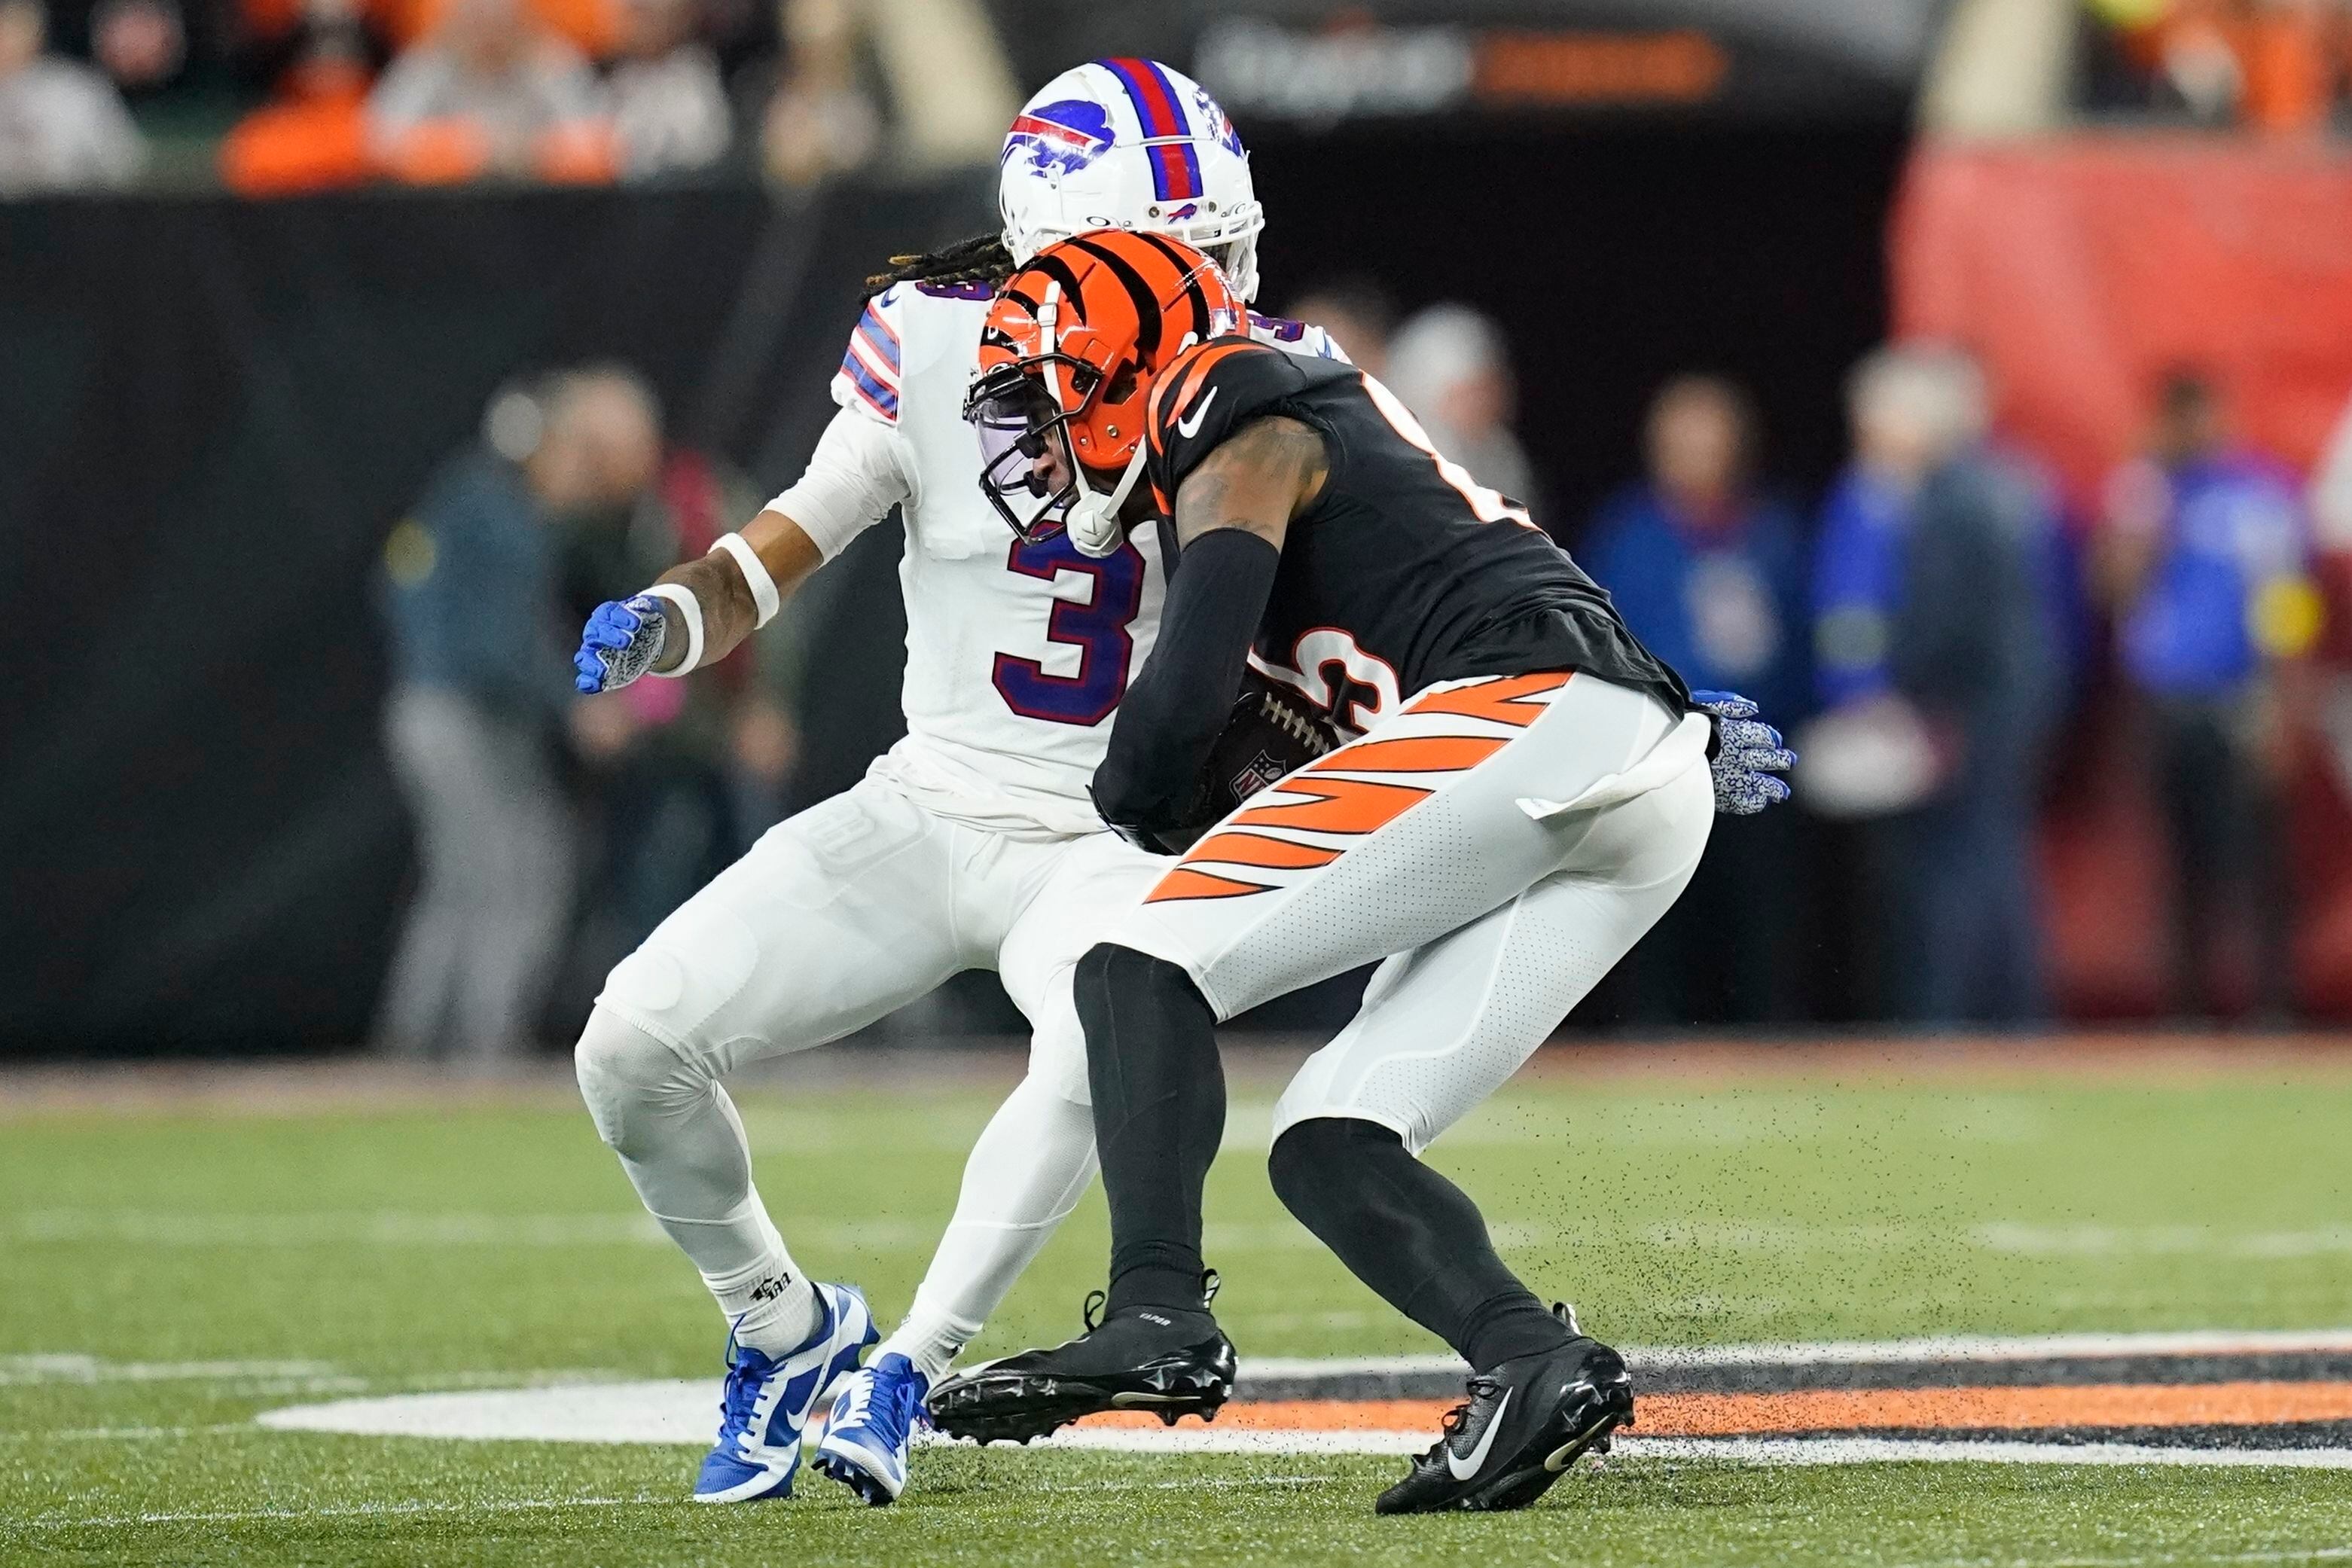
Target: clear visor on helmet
1027 467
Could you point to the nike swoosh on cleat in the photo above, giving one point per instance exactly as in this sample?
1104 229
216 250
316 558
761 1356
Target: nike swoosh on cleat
1568 1453
1462 1471
1189 425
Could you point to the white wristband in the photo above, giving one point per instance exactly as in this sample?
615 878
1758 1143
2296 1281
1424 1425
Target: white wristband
689 610
755 575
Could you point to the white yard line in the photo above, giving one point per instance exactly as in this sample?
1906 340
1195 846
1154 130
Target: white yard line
397 1228
1770 1451
348 1510
274 1377
79 1368
123 1433
2154 1559
1883 1450
365 1228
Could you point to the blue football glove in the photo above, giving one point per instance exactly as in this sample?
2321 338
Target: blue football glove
1748 753
620 643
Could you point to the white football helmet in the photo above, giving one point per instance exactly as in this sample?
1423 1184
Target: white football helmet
1129 144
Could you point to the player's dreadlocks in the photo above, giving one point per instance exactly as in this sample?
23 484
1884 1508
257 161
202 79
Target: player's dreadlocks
982 258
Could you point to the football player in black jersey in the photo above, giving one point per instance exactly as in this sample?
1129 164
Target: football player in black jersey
1523 791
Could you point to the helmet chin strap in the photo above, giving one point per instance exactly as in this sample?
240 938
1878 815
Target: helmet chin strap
1093 522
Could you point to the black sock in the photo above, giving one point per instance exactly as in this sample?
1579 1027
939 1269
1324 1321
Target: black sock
1160 1114
1412 1235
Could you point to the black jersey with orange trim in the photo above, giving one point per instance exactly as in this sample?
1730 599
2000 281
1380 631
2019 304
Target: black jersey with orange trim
1404 571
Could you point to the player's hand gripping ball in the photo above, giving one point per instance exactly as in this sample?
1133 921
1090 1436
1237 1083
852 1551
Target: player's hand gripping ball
620 642
1271 733
1748 755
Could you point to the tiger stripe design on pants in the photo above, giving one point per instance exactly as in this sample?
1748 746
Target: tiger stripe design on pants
1501 842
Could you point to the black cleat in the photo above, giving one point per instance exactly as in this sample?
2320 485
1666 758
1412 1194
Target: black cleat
1524 1424
1169 1360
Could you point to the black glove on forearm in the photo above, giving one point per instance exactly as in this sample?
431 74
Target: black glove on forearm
1178 707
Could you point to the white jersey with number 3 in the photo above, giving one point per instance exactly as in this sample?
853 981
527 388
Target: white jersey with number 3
1017 655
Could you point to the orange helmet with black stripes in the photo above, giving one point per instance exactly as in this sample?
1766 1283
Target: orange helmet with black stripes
1073 345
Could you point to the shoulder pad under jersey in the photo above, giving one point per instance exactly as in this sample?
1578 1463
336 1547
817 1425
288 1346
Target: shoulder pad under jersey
1210 391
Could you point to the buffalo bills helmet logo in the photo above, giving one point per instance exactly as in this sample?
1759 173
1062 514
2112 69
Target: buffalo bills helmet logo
1215 121
1063 137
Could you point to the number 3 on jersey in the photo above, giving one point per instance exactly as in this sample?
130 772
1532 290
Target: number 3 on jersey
1096 627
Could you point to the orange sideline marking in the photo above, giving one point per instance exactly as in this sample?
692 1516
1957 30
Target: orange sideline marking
1837 1410
2117 1404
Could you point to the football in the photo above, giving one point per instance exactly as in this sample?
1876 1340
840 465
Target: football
1273 732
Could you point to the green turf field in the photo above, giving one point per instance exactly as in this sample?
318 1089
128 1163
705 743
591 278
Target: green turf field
166 1274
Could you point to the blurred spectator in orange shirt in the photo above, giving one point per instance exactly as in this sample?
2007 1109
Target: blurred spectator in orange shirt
319 59
490 93
62 125
669 108
2271 64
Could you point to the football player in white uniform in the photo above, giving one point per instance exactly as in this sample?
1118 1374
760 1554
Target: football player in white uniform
972 844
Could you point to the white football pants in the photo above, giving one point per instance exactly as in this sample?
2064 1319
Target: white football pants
1502 842
834 919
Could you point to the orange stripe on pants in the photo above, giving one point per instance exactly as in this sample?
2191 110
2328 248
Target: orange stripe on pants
1341 805
1186 883
1257 849
1504 697
1413 755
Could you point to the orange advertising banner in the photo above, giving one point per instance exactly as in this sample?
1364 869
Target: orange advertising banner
2080 268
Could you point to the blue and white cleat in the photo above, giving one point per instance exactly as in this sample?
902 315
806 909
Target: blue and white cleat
768 1401
865 1437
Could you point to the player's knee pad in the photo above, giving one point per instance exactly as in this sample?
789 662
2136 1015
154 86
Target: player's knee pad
630 1078
1317 1164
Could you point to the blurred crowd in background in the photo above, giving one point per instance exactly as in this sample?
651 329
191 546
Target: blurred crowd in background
277 96
2278 66
554 832
1928 631
282 97
2026 637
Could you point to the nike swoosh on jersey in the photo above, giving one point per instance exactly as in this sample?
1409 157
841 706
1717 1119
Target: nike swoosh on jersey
1189 425
1465 1468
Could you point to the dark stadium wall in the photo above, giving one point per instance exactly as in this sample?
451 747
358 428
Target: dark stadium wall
1616 254
212 413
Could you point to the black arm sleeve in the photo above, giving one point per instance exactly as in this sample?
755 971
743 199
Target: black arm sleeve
1178 707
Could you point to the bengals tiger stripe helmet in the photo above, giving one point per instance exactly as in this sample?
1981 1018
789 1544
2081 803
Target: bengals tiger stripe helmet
1069 353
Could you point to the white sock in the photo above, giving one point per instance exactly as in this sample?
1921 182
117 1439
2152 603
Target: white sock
1026 1172
771 1304
929 1338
